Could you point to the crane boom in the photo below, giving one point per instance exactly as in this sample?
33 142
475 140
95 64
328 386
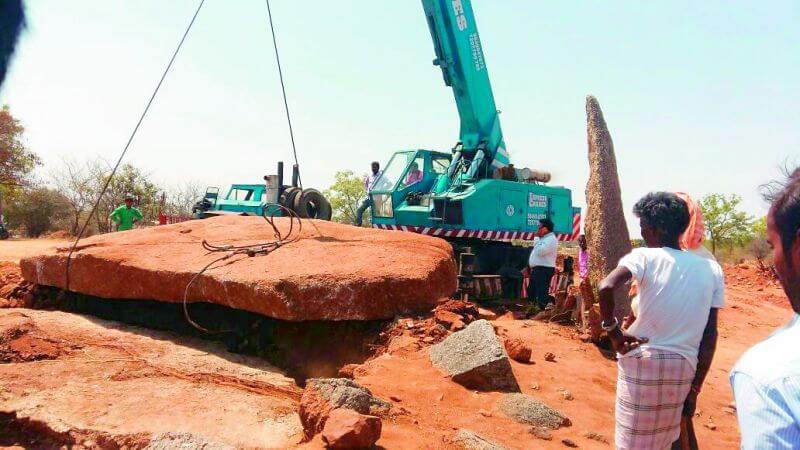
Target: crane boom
460 56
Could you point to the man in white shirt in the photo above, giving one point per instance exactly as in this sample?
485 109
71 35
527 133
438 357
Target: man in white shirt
766 380
542 263
664 356
369 184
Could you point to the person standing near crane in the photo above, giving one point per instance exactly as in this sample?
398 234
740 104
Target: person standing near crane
369 184
126 215
542 263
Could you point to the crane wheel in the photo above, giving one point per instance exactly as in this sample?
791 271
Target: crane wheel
312 204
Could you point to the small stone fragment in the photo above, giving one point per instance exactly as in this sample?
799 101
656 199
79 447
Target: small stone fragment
569 443
487 314
347 429
541 433
348 371
470 440
550 357
567 395
596 437
528 410
518 350
449 319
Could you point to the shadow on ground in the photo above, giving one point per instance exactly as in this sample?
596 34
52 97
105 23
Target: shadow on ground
302 349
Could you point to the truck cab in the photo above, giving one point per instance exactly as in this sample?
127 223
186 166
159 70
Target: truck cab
242 199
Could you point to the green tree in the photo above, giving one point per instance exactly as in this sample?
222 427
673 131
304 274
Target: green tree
759 227
37 210
16 160
76 182
759 247
345 194
725 224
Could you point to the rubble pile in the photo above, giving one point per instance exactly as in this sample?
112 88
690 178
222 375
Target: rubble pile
323 395
15 292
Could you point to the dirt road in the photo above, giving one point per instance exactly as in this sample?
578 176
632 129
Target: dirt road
74 379
15 249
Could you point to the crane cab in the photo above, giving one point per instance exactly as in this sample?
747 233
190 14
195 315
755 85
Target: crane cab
402 194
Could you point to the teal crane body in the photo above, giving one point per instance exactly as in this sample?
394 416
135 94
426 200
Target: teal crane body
469 193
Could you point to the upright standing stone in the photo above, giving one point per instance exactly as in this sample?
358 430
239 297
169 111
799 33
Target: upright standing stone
606 232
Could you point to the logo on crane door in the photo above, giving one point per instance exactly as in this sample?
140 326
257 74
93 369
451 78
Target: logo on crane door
461 19
510 210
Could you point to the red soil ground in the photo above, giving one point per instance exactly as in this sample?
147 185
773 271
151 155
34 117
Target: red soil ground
103 381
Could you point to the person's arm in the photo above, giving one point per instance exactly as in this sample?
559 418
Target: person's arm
114 216
766 420
137 215
547 247
708 345
621 341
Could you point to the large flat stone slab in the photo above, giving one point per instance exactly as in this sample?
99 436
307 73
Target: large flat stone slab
332 272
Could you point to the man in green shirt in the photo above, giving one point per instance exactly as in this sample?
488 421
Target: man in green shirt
126 215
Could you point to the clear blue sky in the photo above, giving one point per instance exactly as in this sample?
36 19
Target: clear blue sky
699 96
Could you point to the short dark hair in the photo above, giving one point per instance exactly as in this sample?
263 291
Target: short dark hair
786 211
12 21
375 163
663 211
546 223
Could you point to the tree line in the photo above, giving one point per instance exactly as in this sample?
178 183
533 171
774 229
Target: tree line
62 198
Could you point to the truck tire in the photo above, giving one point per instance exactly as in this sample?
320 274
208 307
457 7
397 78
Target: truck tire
287 197
311 204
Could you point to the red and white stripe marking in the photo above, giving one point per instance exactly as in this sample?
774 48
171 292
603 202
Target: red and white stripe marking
485 235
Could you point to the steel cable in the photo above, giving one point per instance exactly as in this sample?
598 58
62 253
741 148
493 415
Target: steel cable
262 248
128 144
283 90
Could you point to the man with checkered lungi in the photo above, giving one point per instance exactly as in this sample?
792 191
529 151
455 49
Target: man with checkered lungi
664 356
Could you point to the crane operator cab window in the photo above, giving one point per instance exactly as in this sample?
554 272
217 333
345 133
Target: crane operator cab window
394 171
415 173
440 164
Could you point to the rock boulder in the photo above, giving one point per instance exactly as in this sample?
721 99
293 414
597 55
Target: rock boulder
518 350
323 395
331 272
347 429
475 358
526 409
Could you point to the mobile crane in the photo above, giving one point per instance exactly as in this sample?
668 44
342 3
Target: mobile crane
471 196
